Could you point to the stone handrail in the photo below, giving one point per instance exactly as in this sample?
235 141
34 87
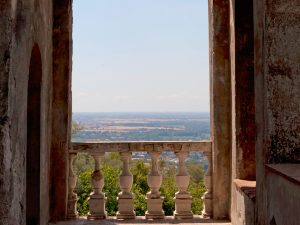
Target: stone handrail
183 199
141 146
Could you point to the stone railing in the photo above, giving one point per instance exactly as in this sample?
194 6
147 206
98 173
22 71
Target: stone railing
183 198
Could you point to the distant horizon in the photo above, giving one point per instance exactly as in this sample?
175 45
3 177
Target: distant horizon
147 112
142 126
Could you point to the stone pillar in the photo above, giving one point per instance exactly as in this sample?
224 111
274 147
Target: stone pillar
97 197
61 110
153 198
125 197
220 102
207 197
183 199
72 197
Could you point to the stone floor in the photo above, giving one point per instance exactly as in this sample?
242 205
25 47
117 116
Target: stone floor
141 220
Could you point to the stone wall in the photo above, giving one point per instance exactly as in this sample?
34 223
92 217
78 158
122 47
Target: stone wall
282 81
243 202
6 176
277 91
22 24
283 194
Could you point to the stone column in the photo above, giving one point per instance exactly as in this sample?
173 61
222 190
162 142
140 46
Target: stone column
153 198
207 197
72 197
97 197
183 199
125 197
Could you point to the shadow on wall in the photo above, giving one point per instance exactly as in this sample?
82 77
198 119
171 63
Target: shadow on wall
33 138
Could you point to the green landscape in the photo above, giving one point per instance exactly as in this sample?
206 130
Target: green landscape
118 127
141 127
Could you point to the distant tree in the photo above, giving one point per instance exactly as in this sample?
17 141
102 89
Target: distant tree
195 170
76 127
83 162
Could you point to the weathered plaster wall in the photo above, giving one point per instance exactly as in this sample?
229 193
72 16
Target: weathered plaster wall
22 23
243 202
283 196
282 80
277 90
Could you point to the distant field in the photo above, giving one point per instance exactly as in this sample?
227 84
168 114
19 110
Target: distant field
142 126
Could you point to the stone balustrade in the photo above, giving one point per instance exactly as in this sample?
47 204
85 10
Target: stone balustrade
183 199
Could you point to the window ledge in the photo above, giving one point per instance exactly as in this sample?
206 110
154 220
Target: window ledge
247 187
289 171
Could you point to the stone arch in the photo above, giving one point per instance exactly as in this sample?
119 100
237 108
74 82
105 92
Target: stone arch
33 151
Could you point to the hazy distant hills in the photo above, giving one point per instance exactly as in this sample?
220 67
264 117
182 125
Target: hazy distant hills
142 126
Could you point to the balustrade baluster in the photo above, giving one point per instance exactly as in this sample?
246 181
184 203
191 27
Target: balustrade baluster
72 197
153 198
207 197
183 199
125 197
97 197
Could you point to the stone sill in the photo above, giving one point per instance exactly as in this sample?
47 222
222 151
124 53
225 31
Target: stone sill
289 171
168 220
247 187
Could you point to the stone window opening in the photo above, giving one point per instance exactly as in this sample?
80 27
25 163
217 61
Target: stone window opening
220 111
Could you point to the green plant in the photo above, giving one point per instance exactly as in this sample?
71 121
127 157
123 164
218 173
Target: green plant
140 187
111 168
83 191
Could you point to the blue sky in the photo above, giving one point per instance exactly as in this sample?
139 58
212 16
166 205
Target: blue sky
140 56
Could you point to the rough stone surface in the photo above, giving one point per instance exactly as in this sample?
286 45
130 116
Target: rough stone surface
220 106
243 203
283 194
277 90
22 24
142 146
282 79
6 175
